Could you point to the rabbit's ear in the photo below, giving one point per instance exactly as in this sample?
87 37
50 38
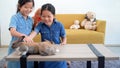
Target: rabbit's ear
52 42
49 41
21 38
16 44
45 39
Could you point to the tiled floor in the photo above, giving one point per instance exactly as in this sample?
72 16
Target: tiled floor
116 50
3 52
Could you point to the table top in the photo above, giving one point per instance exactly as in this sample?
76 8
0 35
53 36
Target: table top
70 52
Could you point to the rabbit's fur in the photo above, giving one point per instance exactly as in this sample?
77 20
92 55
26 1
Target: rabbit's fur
42 48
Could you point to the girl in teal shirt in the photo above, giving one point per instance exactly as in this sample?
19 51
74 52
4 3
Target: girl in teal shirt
20 25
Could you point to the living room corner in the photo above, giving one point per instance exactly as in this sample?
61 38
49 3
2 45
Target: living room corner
107 32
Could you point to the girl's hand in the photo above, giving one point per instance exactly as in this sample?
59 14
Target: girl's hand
27 39
63 43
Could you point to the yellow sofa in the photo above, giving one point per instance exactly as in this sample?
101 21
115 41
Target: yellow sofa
80 36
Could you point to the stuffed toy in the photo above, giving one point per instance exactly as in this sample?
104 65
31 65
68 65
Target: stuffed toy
89 22
36 17
43 48
76 25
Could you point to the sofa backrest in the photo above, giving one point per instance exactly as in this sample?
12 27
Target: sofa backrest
68 19
101 26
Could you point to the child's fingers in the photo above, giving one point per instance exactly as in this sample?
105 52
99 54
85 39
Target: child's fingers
28 40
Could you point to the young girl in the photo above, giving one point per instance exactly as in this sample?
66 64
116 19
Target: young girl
20 25
51 30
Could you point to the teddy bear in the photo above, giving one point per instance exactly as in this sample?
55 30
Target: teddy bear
76 25
89 23
43 48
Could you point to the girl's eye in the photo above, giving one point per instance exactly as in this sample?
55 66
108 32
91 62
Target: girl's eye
27 7
49 16
46 16
43 16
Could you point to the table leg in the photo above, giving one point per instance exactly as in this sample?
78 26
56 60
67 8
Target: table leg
23 61
35 64
101 58
101 62
88 64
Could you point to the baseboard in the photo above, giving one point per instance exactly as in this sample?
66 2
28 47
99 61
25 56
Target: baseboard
4 46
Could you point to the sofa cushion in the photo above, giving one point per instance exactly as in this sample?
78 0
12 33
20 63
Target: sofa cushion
80 36
84 36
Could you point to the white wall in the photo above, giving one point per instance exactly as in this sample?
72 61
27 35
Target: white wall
105 9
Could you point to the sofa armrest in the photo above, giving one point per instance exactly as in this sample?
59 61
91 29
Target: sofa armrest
101 25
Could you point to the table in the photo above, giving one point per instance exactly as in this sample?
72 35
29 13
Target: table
72 52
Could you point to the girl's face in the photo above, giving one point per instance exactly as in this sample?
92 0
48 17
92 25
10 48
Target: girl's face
26 9
47 17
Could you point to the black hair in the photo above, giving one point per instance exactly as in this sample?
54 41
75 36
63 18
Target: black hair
22 2
48 7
